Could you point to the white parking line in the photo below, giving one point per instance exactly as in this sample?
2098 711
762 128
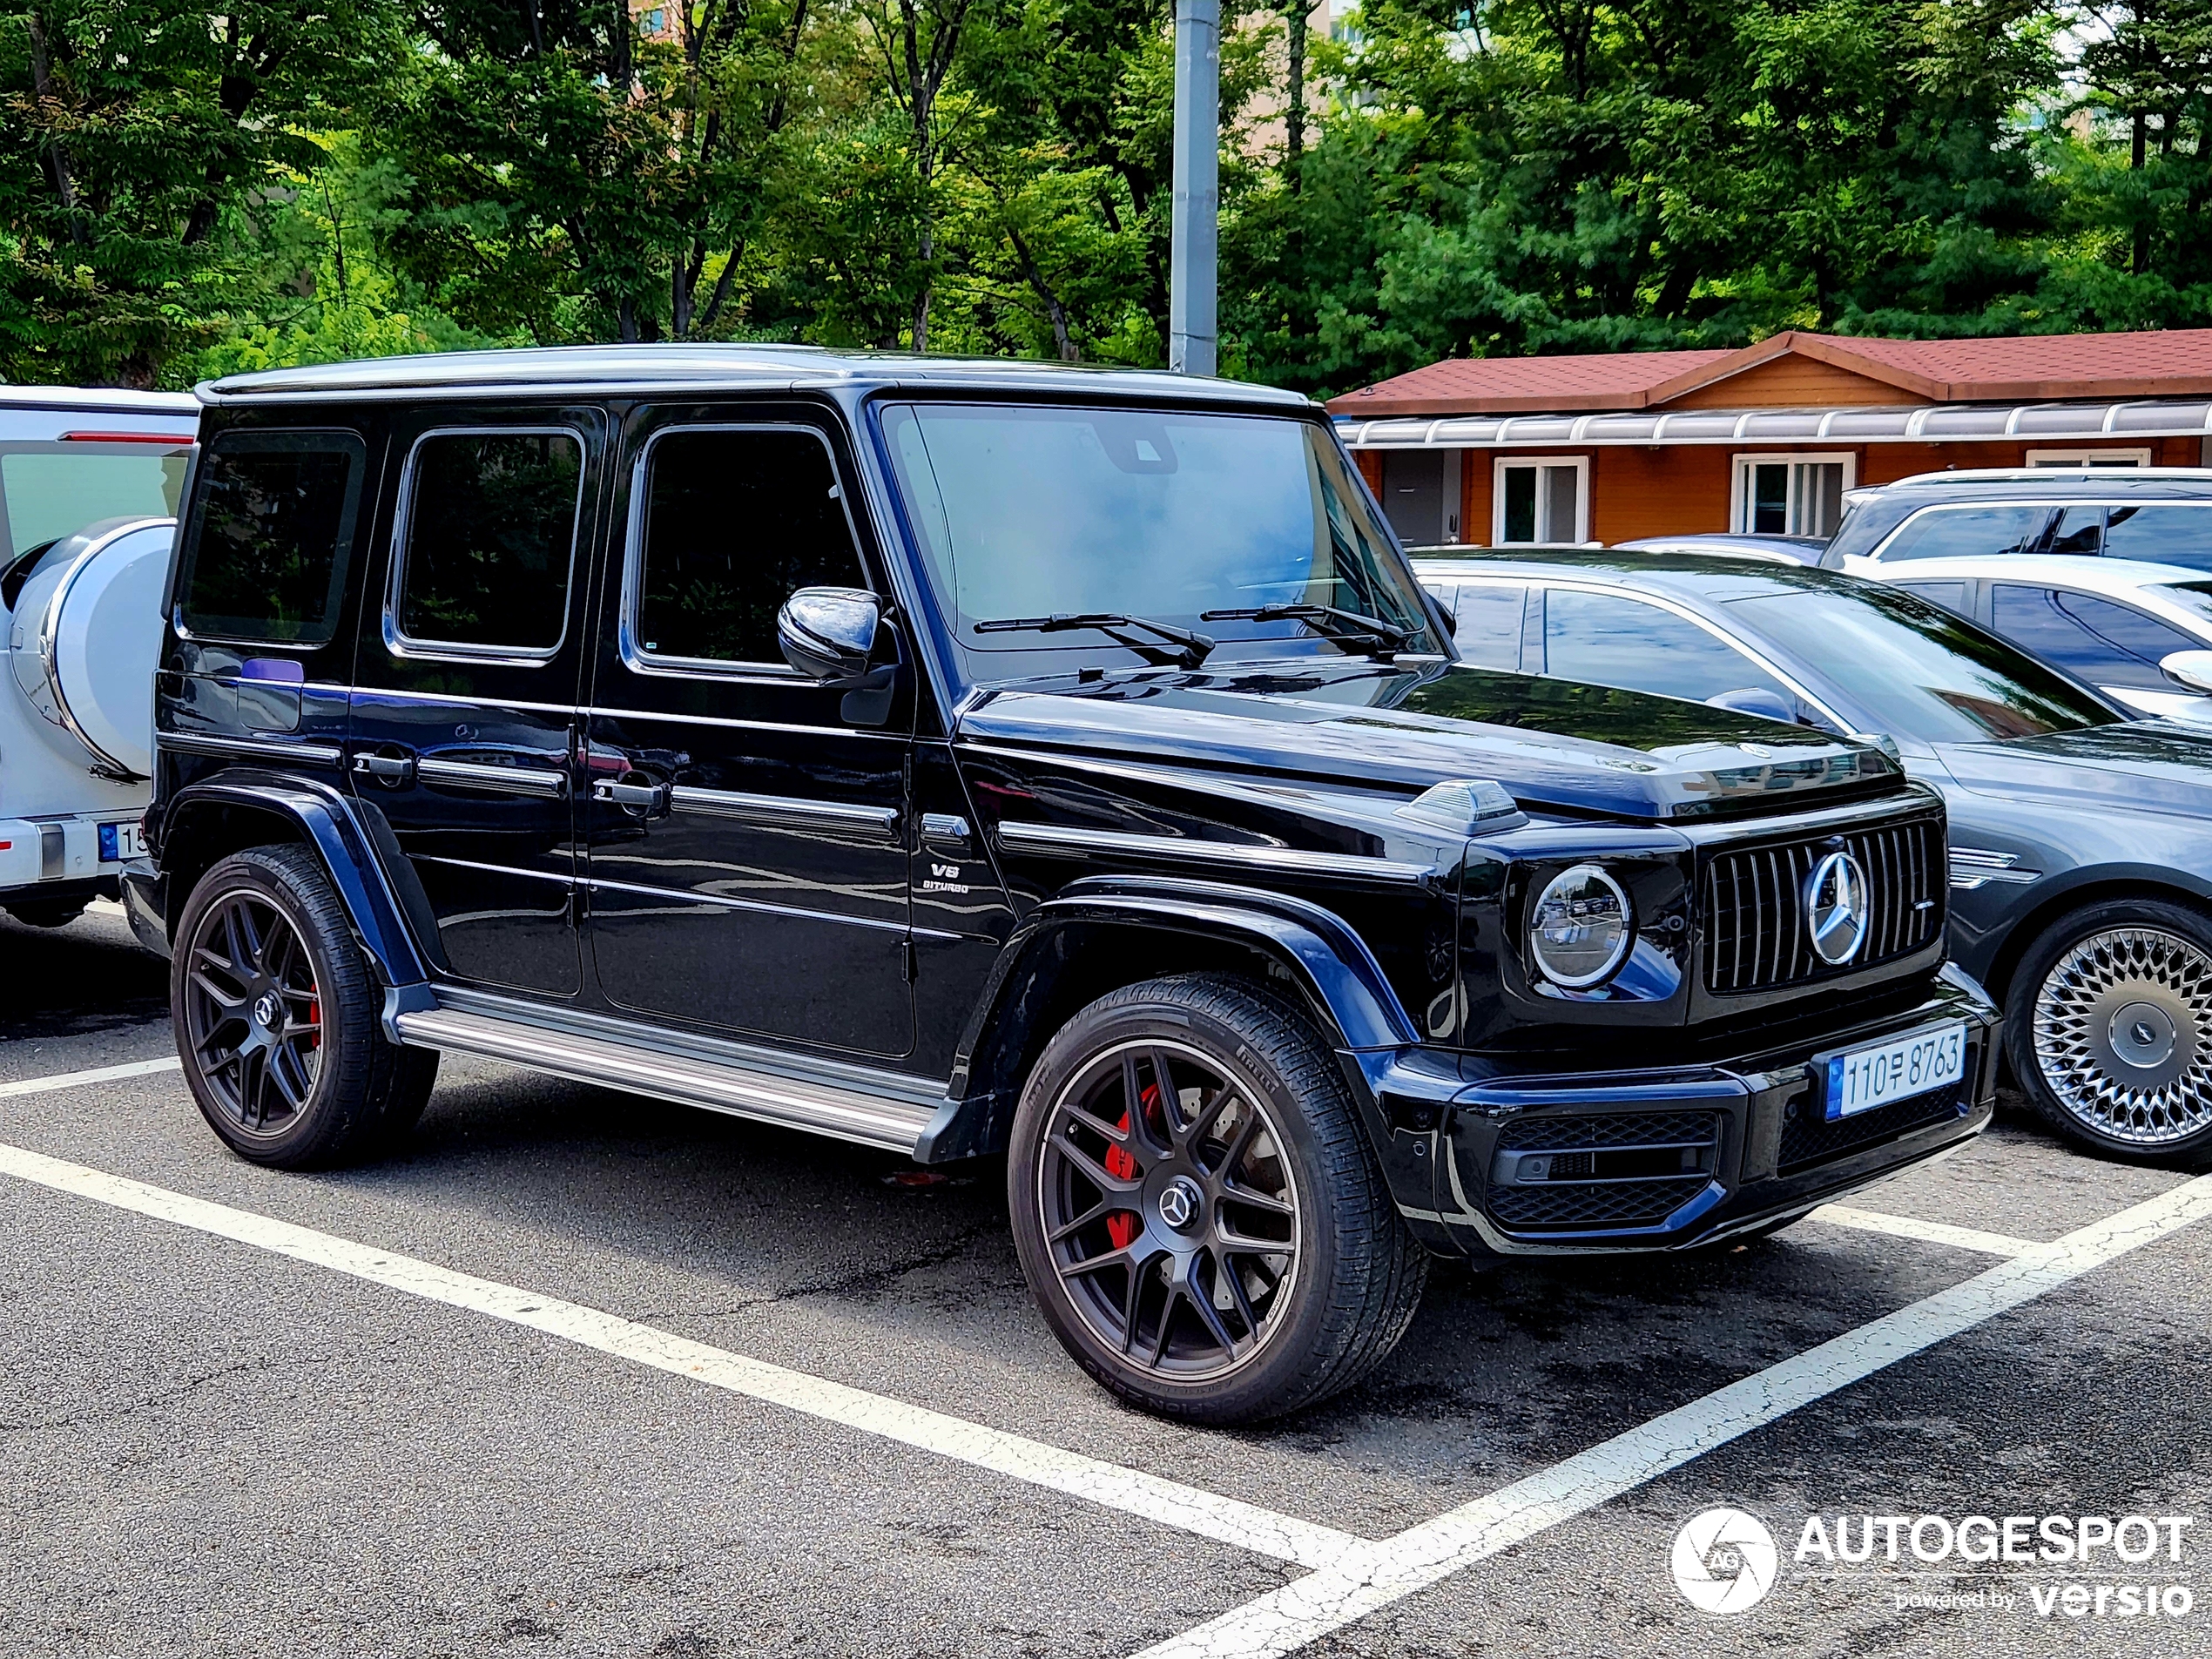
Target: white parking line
1169 1503
1931 1233
1370 1576
98 1074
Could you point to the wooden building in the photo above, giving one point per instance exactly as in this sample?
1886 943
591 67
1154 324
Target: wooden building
1608 447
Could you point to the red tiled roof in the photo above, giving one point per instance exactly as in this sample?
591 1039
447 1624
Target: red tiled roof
2170 363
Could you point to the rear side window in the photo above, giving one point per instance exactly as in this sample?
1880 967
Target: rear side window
272 536
2096 639
736 520
51 493
491 531
1967 532
2180 534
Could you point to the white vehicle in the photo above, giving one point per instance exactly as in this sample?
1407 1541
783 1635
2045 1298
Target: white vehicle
90 481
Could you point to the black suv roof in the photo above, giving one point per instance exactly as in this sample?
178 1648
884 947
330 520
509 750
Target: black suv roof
607 370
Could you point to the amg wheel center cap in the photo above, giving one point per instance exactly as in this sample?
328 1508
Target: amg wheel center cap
2142 1034
267 1009
1180 1203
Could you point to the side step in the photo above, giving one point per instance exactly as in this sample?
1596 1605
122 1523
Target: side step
688 1079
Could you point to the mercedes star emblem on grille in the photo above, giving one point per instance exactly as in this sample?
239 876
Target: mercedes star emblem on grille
1838 908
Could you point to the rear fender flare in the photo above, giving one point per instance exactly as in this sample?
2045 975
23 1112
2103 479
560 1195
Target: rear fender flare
330 823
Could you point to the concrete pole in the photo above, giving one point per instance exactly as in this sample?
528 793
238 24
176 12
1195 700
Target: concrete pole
1195 225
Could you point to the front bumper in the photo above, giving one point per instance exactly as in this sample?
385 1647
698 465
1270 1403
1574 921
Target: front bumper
1685 1155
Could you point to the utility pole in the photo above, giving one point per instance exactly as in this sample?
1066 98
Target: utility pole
1194 227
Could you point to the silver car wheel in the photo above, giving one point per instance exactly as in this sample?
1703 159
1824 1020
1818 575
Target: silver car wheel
2123 1034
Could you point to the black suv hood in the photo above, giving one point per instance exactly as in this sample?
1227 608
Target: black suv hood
1554 745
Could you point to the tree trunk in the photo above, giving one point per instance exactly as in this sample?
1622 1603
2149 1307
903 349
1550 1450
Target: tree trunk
56 156
1294 110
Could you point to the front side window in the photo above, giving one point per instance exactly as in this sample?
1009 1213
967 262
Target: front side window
1606 639
271 536
491 531
1967 532
1023 513
734 521
1918 672
2093 638
2163 533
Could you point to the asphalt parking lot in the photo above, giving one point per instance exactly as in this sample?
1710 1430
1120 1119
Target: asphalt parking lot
581 1374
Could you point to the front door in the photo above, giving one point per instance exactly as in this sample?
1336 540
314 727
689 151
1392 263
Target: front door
464 704
1413 496
746 827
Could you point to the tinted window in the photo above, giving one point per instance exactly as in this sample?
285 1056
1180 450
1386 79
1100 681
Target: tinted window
1489 619
1918 672
490 537
2080 529
51 493
2180 534
2093 639
272 536
1963 532
1952 596
737 522
1603 639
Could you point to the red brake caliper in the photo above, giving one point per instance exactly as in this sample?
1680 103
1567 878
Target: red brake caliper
1122 1225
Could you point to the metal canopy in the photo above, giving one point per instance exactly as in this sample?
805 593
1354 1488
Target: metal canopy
2186 418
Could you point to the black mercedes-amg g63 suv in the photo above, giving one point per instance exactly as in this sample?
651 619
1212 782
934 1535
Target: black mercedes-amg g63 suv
983 759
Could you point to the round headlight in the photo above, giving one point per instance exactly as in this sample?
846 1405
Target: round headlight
1580 928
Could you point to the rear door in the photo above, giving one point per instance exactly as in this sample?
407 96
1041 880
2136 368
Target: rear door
464 704
747 826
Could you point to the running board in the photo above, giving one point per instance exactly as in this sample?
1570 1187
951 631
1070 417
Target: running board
792 1103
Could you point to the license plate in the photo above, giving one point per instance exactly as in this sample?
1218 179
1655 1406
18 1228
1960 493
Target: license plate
120 841
1913 1063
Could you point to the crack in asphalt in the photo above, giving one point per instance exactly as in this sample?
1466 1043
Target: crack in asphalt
145 1403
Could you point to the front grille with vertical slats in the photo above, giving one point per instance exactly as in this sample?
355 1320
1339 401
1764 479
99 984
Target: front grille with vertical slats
1755 930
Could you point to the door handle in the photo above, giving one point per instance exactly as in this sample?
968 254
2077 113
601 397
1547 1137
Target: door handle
647 800
394 770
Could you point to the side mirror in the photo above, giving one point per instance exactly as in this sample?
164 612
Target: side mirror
1756 699
828 634
2190 668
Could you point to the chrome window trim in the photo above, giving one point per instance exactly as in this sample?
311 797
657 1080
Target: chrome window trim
634 657
397 640
1066 841
784 809
1544 584
311 755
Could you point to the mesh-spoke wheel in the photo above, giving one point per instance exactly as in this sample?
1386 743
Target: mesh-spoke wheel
253 1012
1171 1214
2123 1034
1197 1208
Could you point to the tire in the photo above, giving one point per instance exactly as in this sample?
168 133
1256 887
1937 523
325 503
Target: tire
2108 1027
48 913
1129 1201
278 1019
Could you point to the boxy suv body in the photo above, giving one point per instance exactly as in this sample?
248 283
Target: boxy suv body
986 759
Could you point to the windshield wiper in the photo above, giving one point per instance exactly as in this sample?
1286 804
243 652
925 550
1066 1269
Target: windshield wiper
1347 625
1190 652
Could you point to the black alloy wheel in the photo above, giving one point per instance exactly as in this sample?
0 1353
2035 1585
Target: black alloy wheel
276 1018
1197 1209
253 1012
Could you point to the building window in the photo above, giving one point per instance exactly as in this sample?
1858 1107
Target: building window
1541 498
1791 494
2088 457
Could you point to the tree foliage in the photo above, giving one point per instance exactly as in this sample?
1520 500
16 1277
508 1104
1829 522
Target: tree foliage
185 192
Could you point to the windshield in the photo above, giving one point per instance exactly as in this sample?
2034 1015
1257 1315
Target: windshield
1922 673
1030 512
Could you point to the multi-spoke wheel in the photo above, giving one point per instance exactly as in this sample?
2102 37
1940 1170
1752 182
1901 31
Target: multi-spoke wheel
276 1017
2110 1030
252 1011
1197 1209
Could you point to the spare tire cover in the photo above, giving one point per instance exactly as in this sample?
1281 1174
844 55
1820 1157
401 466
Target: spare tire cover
84 635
